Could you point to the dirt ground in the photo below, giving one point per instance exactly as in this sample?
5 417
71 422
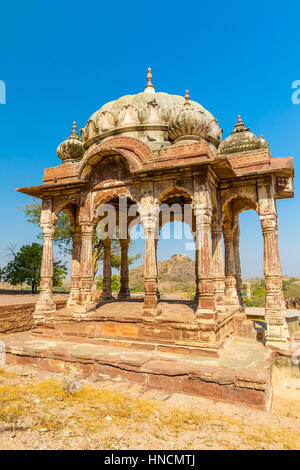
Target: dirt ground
44 410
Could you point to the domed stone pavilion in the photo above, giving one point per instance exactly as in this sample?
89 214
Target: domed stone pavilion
147 150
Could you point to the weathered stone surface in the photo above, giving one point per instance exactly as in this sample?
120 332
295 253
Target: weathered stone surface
16 318
250 385
154 150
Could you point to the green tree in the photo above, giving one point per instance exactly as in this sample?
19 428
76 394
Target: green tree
291 288
258 291
25 267
115 282
63 239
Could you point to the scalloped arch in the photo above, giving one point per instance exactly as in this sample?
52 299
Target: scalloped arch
137 154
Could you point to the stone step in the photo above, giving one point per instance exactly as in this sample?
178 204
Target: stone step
241 375
148 344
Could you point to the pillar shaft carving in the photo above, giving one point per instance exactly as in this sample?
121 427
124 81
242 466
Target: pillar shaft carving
157 289
238 271
45 301
204 275
275 305
74 296
86 262
124 274
149 214
106 292
218 265
277 331
230 270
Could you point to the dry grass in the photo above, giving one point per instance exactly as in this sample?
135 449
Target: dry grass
100 418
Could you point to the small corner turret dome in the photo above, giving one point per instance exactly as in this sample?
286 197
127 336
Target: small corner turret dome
190 123
241 139
72 149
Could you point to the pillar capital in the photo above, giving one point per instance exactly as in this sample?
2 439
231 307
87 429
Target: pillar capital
216 228
228 236
76 237
149 214
87 228
48 230
268 223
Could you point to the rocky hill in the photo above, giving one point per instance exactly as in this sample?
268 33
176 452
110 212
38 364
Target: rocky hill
176 273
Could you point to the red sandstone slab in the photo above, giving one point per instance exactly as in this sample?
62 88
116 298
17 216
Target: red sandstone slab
174 373
166 367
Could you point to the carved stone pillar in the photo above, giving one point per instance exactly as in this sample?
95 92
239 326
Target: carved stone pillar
206 304
157 289
277 330
196 299
238 271
106 292
124 277
230 273
86 266
218 266
149 218
45 303
74 296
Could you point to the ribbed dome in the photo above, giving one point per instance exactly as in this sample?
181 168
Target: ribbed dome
71 149
189 123
241 139
140 100
147 113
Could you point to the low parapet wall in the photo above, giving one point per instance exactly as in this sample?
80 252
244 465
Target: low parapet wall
27 292
19 317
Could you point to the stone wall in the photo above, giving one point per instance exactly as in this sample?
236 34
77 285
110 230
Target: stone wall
17 318
27 292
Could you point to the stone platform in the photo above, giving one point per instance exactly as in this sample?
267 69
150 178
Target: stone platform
122 323
242 373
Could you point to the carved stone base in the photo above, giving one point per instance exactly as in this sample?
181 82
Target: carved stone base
45 304
277 343
85 308
206 314
277 336
74 299
151 312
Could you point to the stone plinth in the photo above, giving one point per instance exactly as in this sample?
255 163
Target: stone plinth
242 374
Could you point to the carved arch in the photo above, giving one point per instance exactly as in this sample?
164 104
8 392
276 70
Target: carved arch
102 197
68 205
136 152
174 191
233 207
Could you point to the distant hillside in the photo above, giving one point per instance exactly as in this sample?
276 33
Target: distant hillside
176 273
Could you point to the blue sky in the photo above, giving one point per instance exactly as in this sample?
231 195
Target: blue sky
62 60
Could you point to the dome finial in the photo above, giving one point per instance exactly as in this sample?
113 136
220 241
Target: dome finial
240 126
187 103
74 133
149 88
